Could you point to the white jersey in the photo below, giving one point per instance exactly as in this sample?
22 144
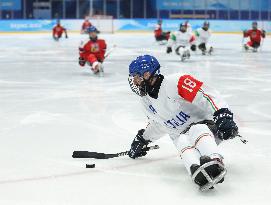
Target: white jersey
182 100
179 38
203 36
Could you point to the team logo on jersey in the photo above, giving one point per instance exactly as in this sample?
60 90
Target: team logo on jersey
179 120
94 48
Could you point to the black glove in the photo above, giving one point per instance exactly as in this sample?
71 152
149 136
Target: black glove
169 49
81 61
193 47
226 127
138 145
263 33
66 36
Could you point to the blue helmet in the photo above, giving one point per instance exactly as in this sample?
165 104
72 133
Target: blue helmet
91 29
144 64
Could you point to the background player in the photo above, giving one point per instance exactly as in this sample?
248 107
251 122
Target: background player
58 30
255 35
159 34
92 51
181 40
193 115
203 35
86 24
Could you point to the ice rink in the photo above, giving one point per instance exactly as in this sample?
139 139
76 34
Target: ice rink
50 106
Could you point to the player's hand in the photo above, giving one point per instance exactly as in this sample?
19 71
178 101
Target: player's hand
81 61
66 36
263 33
226 127
138 145
169 49
193 47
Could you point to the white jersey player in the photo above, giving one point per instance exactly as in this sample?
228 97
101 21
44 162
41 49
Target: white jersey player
181 41
203 35
194 116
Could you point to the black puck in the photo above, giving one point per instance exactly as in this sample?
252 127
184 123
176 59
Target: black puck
90 165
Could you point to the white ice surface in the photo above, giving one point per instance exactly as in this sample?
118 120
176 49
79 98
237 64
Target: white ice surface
49 106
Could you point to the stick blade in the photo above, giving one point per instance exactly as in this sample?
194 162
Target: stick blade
93 155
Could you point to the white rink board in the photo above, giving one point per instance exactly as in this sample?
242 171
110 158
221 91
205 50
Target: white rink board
49 106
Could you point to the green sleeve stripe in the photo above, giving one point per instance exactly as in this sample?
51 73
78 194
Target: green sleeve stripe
209 99
173 37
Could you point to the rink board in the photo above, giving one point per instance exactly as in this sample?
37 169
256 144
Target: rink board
116 25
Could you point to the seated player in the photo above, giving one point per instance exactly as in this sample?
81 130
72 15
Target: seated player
255 36
195 117
159 34
181 40
203 35
58 30
86 24
92 52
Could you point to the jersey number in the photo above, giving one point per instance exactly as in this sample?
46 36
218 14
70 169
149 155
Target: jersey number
188 87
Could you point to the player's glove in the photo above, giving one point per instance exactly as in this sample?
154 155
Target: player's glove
81 61
263 33
193 47
169 49
66 36
226 127
138 145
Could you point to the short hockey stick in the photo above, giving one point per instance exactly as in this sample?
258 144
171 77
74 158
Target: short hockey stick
97 155
110 51
242 139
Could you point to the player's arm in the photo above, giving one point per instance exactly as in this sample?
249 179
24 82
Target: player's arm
246 33
211 103
81 59
152 133
65 31
171 41
54 32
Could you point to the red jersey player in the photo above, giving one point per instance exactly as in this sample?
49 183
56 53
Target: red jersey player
92 52
255 35
86 24
159 34
58 31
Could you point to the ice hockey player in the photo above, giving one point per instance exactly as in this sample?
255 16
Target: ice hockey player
181 40
58 31
86 24
92 52
196 118
203 35
159 34
255 36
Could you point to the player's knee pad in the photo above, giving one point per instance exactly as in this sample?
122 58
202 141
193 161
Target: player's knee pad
199 131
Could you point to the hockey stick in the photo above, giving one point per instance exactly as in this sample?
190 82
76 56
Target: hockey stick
242 139
97 155
110 51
